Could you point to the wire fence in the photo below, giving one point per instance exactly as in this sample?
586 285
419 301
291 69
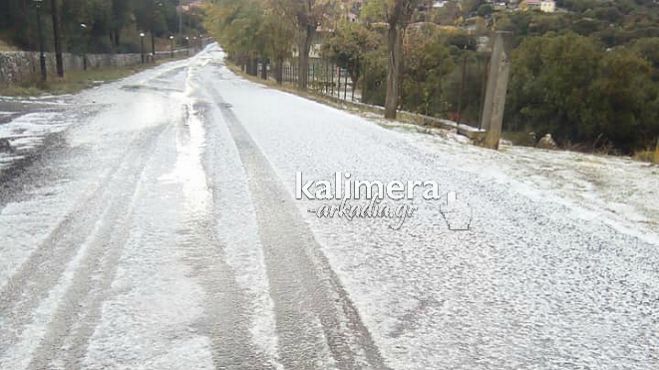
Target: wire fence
323 77
456 94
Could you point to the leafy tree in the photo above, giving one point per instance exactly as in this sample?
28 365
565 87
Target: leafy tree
428 62
278 36
308 16
648 48
550 82
120 18
107 23
623 101
485 10
471 6
462 41
570 86
237 24
348 46
397 14
449 14
374 77
54 11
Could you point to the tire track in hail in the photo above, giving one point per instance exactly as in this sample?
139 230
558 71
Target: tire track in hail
226 321
313 311
78 312
41 272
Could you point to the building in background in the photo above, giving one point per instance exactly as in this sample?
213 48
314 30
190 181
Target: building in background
547 6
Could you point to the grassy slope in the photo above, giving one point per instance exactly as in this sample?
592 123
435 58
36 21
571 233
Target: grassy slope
74 81
4 46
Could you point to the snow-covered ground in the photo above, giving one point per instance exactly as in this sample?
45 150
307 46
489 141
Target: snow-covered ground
619 191
161 230
558 270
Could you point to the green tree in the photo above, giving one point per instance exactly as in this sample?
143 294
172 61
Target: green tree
236 24
308 16
570 86
623 101
485 10
427 64
648 48
278 37
550 82
397 14
348 46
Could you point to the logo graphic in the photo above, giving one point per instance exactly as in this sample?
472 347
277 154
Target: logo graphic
456 213
344 197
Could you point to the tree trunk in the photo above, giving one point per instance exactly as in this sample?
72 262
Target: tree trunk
305 48
254 66
279 70
264 68
56 36
23 21
153 47
354 77
394 44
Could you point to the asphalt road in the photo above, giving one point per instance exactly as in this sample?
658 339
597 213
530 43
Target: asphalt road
153 223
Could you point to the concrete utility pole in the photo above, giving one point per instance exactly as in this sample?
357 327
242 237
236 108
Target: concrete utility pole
462 86
497 84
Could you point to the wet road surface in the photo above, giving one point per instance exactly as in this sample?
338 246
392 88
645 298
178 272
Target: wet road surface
152 223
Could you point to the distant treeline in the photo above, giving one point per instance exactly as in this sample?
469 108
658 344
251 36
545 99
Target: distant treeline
109 25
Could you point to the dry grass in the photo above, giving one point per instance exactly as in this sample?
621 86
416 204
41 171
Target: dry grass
72 82
648 155
4 46
75 81
519 138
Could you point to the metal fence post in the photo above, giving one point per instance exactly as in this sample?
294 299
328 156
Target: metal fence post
332 79
338 83
313 75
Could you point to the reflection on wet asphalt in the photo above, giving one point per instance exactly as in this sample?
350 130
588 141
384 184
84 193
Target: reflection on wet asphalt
151 223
